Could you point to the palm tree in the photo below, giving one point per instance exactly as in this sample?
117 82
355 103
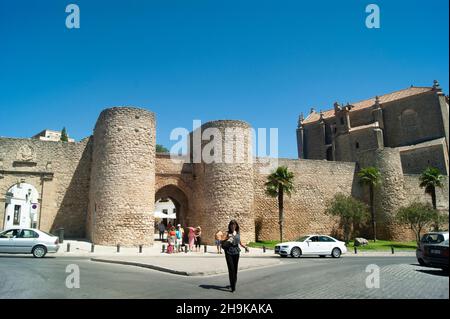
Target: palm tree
431 178
279 183
371 177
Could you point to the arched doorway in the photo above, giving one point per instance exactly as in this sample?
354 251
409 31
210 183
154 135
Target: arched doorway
22 206
170 195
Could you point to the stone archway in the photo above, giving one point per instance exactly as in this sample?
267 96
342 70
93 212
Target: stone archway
179 198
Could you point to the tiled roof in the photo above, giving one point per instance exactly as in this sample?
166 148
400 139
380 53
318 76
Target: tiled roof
397 95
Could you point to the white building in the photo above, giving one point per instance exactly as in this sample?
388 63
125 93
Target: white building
49 135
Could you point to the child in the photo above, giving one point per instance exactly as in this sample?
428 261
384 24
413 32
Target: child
219 237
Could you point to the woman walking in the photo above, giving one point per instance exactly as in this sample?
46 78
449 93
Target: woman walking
232 250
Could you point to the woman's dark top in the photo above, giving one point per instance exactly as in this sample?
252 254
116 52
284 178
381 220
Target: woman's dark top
234 249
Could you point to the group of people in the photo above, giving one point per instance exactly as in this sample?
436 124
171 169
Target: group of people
179 240
228 241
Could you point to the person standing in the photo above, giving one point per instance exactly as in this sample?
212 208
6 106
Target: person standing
171 238
231 246
219 237
198 238
179 239
162 230
191 238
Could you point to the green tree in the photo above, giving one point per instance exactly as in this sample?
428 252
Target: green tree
371 177
430 179
64 137
161 149
418 216
279 183
350 211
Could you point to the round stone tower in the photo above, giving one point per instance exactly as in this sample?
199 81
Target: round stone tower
122 187
390 195
224 174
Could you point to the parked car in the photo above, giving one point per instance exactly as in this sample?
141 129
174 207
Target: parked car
28 241
321 245
436 255
429 238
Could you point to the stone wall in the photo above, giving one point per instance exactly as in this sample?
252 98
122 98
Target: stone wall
122 190
316 182
59 171
413 120
416 159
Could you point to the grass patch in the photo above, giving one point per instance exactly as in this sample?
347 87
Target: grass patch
270 244
385 245
379 245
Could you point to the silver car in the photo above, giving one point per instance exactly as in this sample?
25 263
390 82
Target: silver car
427 239
28 241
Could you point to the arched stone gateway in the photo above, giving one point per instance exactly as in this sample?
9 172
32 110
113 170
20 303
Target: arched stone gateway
179 198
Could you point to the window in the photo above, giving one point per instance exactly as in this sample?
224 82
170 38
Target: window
314 238
342 121
432 238
16 220
10 233
357 144
326 239
26 233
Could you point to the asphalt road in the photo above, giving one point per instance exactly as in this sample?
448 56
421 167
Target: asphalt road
399 277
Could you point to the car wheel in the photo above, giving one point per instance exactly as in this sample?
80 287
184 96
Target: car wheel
336 253
421 262
39 251
296 252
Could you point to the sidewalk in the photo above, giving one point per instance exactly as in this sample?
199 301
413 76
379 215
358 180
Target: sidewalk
80 248
188 264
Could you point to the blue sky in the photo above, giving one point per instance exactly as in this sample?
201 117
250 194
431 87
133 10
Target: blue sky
259 61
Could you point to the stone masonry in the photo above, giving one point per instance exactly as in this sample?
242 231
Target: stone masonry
104 187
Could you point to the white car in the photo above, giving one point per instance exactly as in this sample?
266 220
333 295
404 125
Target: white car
312 245
28 241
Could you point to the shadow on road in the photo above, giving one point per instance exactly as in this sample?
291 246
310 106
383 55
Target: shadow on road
221 288
436 272
26 256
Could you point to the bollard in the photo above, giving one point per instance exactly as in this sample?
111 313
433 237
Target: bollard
118 248
68 247
206 248
61 235
264 249
356 250
392 249
140 249
92 248
163 248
